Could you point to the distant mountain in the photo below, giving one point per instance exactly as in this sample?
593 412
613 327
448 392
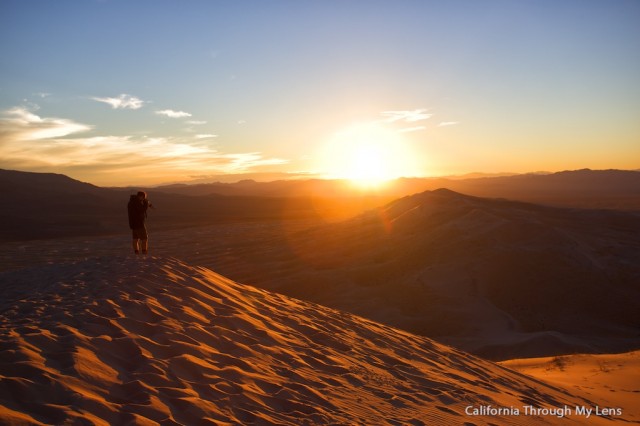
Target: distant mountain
44 206
13 181
610 189
279 188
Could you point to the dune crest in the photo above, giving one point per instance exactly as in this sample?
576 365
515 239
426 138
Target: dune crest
119 340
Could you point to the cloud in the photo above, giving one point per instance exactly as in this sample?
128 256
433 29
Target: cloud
123 101
173 114
206 136
448 123
245 161
408 116
21 124
31 142
196 122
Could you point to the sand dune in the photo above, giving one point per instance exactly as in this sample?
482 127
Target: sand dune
611 379
117 340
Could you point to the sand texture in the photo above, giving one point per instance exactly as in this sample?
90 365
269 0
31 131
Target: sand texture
117 340
611 379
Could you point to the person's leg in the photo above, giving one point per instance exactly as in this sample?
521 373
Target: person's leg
144 239
136 248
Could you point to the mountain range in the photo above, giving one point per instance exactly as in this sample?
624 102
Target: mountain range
611 189
45 205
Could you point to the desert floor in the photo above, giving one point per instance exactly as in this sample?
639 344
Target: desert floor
611 379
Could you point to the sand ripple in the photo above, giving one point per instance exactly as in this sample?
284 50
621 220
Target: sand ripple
118 340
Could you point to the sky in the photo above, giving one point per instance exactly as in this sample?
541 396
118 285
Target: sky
146 92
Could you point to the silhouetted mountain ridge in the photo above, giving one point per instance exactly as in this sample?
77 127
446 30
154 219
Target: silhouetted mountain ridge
27 182
43 205
611 189
47 205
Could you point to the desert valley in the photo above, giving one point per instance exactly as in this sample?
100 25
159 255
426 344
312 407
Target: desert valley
478 300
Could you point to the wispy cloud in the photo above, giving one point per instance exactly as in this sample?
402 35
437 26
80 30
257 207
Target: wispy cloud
173 114
123 101
196 122
206 136
28 141
448 123
21 124
409 116
242 162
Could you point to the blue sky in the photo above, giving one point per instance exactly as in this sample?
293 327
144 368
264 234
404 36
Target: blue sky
148 92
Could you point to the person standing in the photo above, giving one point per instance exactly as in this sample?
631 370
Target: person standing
137 208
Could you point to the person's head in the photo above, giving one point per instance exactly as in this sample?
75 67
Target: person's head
142 195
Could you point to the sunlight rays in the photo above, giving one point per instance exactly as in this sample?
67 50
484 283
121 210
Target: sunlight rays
368 154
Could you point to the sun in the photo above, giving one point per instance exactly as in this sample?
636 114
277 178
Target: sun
368 155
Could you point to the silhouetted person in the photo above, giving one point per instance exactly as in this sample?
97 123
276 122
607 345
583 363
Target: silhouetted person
137 208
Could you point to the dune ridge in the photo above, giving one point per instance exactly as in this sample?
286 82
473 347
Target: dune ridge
117 340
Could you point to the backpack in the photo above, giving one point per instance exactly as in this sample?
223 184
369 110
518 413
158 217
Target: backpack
137 211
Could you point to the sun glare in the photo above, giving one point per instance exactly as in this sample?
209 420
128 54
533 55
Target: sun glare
368 155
